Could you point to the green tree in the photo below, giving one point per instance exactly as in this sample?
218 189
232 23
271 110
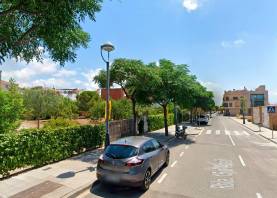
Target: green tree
121 109
41 103
11 108
67 108
166 86
129 75
86 99
31 28
97 111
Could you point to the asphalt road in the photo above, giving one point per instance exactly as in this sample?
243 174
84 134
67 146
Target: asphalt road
225 160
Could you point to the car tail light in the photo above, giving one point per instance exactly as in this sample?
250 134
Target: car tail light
134 162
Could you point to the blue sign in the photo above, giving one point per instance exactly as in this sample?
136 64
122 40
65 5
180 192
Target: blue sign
271 109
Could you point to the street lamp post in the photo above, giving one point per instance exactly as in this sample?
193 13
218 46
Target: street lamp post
108 47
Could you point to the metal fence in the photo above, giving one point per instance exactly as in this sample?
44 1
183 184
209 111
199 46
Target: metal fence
120 128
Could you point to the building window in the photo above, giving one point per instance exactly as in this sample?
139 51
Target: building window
257 100
225 104
227 98
230 104
235 98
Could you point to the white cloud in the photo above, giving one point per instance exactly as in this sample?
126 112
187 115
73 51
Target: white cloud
90 84
232 44
64 73
51 83
47 74
190 5
216 89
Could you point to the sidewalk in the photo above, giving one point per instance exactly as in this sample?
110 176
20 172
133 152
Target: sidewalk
265 132
66 178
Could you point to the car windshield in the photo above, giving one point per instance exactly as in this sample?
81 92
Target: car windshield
121 151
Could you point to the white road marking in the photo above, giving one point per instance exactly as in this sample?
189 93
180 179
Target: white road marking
209 132
186 147
181 154
232 141
217 132
259 195
227 132
241 161
201 132
174 163
162 178
246 133
222 172
236 133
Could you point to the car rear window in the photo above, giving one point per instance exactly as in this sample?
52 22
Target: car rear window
120 151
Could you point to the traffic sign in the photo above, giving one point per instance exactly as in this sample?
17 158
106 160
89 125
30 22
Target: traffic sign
271 109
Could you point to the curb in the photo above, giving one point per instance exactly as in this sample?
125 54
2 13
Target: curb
79 190
271 140
245 126
256 132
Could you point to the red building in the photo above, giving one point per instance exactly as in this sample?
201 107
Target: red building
115 94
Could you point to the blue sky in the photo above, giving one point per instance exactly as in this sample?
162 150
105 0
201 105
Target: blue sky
226 43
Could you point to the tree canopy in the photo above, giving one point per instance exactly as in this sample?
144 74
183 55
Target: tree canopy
11 108
31 28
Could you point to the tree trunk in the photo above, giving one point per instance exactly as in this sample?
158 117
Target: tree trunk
165 120
134 117
38 124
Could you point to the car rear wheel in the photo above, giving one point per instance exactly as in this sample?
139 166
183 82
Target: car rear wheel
147 180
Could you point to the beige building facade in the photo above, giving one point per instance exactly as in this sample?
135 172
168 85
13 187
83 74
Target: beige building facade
253 98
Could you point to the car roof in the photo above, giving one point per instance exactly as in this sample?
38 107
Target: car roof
135 141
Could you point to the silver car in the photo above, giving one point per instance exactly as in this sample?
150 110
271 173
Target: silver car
132 161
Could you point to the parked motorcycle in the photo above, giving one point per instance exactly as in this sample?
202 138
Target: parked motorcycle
181 131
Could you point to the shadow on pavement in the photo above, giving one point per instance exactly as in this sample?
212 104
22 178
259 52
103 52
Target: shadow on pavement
113 191
72 173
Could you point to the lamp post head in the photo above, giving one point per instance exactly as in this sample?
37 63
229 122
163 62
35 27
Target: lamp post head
108 47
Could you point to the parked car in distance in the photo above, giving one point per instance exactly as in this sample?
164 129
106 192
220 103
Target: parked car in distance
203 120
132 161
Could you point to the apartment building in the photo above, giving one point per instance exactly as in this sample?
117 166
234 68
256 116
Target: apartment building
253 98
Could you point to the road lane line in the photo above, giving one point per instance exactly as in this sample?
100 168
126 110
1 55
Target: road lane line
246 133
232 141
201 132
259 195
236 133
227 132
186 147
217 132
162 178
174 163
181 154
241 161
209 132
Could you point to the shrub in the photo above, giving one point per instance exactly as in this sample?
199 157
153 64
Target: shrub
11 108
34 147
157 121
60 122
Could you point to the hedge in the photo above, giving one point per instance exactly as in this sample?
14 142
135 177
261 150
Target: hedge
157 121
37 147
